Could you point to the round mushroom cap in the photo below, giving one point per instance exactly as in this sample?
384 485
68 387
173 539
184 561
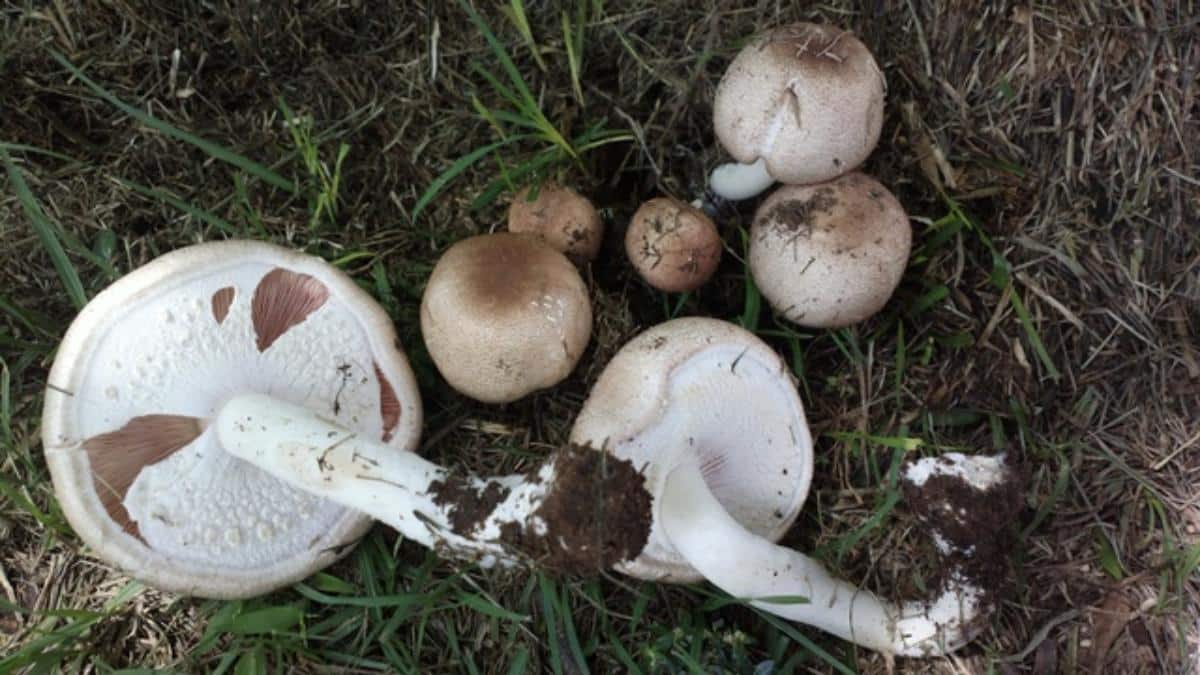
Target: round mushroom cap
829 255
673 246
561 216
505 315
703 389
806 98
138 471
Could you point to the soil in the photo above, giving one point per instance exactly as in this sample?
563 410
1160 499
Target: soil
798 217
596 514
974 520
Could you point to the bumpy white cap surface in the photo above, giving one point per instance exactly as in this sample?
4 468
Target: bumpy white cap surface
147 364
699 389
805 98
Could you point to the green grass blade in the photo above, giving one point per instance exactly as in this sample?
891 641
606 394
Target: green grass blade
170 199
1032 335
46 232
208 147
460 165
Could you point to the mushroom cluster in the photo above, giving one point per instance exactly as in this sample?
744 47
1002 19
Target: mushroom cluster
228 418
802 105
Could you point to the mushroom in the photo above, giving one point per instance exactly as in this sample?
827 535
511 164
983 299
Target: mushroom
561 217
170 380
802 103
831 254
146 365
713 415
673 246
504 315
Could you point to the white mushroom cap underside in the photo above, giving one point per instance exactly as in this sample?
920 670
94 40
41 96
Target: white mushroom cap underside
831 254
806 98
152 344
705 388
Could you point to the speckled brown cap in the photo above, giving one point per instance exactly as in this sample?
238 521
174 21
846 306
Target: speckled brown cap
806 98
831 254
673 246
504 315
561 216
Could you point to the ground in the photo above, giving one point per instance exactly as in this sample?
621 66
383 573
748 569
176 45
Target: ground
1047 154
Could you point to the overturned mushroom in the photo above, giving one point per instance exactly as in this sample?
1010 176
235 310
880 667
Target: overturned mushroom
831 254
802 103
504 315
673 246
560 216
143 369
712 414
240 349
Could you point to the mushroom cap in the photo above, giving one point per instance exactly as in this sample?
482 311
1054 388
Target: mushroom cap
505 315
562 217
806 98
829 255
700 388
675 247
139 473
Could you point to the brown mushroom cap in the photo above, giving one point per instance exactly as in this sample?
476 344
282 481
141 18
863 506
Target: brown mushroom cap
806 98
829 255
504 315
673 246
561 217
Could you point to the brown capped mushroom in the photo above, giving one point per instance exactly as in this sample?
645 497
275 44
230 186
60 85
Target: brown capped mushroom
829 255
802 103
504 315
563 218
673 246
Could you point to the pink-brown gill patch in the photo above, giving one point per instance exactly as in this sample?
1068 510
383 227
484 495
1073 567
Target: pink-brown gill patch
117 457
389 405
221 301
282 300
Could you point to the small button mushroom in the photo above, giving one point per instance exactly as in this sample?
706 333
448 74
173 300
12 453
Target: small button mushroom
802 103
673 246
712 415
829 255
504 315
563 218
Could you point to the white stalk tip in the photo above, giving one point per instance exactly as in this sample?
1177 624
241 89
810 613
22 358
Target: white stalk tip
736 181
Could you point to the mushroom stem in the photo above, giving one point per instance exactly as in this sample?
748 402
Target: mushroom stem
775 578
736 181
507 519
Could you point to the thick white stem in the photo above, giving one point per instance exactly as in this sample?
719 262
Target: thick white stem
752 568
292 444
736 182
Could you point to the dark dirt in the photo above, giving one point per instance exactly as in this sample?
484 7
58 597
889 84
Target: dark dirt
597 514
469 500
797 217
971 519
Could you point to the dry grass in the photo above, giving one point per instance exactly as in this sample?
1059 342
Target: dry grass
1068 133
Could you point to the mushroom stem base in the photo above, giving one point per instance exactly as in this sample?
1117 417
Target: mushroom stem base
784 582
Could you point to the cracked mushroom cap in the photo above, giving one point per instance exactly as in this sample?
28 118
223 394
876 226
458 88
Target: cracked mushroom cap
673 246
138 470
707 391
829 255
561 216
805 98
505 315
